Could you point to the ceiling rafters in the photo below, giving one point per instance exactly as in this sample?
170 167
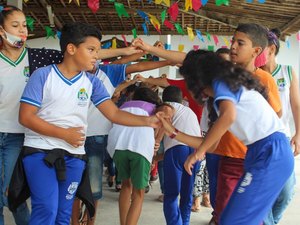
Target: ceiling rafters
291 23
58 24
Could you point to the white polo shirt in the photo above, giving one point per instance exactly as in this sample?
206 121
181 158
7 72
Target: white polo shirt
62 102
255 118
184 120
13 78
111 76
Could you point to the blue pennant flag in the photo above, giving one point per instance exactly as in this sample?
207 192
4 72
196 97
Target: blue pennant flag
107 45
143 15
204 2
199 35
144 25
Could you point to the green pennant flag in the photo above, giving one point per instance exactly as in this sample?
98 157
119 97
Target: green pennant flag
134 33
208 36
163 16
222 2
210 48
121 10
30 22
179 28
49 32
111 0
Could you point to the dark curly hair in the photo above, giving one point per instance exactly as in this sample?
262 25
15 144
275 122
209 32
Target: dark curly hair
147 95
200 68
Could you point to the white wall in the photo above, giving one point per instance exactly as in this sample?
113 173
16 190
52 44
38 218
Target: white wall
290 56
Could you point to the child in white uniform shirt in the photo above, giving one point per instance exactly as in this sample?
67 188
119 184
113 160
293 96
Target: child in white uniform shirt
237 94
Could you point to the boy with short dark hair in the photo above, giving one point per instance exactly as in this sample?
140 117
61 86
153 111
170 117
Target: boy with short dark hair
54 108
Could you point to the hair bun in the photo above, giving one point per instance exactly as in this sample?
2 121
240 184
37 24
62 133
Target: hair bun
276 31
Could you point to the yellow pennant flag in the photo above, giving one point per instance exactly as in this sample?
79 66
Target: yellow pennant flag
181 47
188 5
167 2
190 33
114 43
226 42
77 2
26 1
154 21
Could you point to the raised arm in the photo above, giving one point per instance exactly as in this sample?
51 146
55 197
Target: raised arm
28 118
144 66
159 81
129 58
115 115
295 105
174 56
109 53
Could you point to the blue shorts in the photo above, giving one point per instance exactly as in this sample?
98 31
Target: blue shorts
95 147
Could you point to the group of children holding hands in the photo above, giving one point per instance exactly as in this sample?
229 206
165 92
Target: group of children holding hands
64 103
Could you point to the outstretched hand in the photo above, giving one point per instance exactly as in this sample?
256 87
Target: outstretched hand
139 43
166 122
133 50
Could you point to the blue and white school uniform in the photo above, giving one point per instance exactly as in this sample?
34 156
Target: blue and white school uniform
62 102
269 161
176 180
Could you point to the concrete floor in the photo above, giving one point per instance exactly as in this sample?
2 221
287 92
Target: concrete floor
152 213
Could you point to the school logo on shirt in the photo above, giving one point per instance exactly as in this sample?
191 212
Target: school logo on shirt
26 73
71 190
281 83
82 97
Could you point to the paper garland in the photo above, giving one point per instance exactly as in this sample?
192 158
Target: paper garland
93 5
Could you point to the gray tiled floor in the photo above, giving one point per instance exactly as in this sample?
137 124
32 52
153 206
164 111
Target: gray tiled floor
152 209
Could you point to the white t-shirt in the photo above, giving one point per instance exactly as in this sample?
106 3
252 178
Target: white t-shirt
111 76
255 118
62 102
283 77
186 121
13 78
136 139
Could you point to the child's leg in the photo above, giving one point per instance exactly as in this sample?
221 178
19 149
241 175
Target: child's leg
124 200
137 198
43 186
186 190
268 165
68 188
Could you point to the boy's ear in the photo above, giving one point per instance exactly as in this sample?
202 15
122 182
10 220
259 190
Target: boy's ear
257 51
71 49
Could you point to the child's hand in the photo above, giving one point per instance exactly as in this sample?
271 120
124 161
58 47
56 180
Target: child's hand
132 50
156 147
140 44
75 136
154 122
166 122
139 77
192 159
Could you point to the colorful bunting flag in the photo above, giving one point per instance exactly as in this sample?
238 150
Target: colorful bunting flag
77 2
208 36
93 5
188 5
134 33
26 1
144 25
163 16
226 42
114 43
216 39
261 1
167 2
196 5
1 8
204 2
143 15
169 25
180 47
154 21
58 34
224 46
210 48
173 11
168 46
49 32
190 33
124 39
106 45
222 2
30 22
199 35
288 44
121 10
179 29
195 47
298 36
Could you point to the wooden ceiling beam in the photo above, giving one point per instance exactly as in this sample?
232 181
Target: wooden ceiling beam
291 23
44 3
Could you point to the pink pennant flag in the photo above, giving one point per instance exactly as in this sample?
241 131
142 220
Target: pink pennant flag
169 25
224 46
195 47
216 39
173 11
124 39
196 5
298 36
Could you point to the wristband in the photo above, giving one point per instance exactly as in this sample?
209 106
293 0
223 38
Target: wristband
174 134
